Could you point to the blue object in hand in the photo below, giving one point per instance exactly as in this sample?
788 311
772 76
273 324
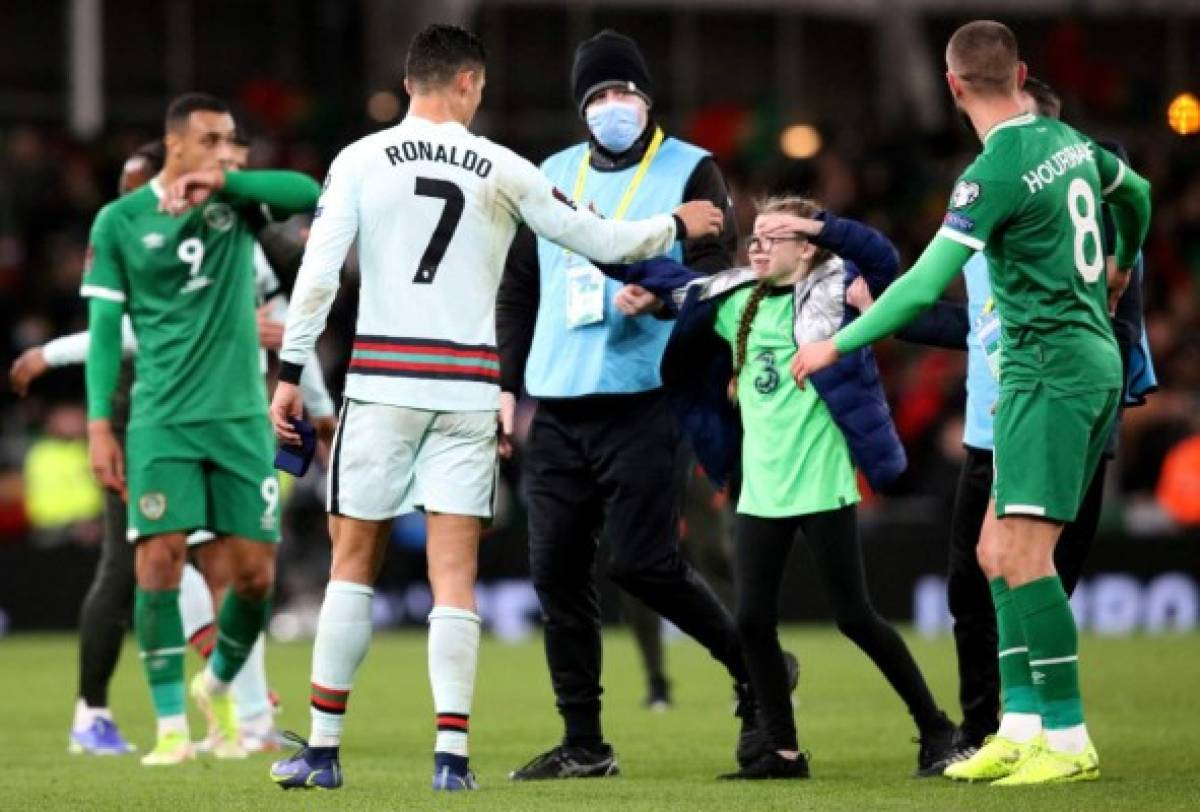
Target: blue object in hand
295 458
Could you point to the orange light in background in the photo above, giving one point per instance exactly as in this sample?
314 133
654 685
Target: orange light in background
800 141
1183 114
383 106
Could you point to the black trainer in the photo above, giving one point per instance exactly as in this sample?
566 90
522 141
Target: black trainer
570 762
771 765
962 748
750 745
937 745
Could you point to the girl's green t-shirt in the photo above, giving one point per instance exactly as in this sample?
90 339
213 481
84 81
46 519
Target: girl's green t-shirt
795 459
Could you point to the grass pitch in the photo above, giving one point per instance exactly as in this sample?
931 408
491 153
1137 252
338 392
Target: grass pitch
1141 696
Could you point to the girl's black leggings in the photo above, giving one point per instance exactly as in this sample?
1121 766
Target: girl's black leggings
763 547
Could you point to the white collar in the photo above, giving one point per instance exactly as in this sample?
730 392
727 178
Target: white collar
156 186
1015 121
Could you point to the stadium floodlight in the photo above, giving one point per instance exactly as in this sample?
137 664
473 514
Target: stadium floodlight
800 141
1183 114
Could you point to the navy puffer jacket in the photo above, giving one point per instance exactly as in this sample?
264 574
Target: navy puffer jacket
697 364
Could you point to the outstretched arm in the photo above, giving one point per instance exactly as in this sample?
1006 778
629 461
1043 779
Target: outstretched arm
548 212
903 301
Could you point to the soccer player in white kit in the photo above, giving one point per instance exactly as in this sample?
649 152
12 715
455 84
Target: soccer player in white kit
434 209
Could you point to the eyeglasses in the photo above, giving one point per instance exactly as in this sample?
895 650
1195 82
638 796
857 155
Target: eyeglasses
765 244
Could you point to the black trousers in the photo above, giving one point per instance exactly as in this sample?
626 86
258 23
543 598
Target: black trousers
105 614
610 460
762 551
970 598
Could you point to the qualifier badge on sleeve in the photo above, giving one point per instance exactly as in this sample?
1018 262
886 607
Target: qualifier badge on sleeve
585 295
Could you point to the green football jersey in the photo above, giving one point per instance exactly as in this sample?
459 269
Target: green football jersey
1031 202
795 460
188 285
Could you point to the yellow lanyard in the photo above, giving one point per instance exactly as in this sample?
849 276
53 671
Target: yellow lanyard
634 183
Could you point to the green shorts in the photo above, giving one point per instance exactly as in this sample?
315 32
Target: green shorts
1048 445
216 475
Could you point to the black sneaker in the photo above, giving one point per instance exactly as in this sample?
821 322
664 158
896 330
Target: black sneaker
658 695
750 745
937 745
962 748
570 762
771 765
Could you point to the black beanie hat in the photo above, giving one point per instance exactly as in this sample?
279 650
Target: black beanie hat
607 60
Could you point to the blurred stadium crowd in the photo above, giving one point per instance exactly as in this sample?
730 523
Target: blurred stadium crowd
894 177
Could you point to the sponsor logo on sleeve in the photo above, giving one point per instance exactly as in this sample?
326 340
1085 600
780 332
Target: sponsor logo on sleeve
964 194
958 222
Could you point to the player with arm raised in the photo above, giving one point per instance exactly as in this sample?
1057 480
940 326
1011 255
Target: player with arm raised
1031 203
176 256
434 209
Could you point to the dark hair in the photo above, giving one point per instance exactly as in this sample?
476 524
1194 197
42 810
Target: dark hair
983 54
183 106
438 52
1049 103
153 152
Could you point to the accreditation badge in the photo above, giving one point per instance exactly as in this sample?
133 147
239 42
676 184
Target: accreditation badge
585 295
987 333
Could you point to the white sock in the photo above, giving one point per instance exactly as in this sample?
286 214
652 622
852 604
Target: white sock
1072 740
453 653
85 716
249 687
172 724
1020 727
259 726
343 635
195 601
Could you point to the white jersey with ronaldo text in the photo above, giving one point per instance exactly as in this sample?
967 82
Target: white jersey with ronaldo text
434 209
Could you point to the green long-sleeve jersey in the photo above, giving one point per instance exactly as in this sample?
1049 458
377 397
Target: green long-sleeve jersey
188 285
1031 203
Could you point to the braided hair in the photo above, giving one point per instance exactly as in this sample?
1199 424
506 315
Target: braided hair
743 333
801 207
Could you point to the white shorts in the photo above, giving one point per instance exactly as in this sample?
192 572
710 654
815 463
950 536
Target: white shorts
389 460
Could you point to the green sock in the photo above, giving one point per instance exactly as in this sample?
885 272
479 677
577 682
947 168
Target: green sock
1017 694
1053 650
159 628
238 625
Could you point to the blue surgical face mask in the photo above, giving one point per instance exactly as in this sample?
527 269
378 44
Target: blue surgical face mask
615 125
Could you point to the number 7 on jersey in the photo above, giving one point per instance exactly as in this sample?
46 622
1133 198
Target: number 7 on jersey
452 210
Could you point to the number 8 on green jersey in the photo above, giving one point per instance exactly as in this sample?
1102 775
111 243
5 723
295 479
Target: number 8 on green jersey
1031 203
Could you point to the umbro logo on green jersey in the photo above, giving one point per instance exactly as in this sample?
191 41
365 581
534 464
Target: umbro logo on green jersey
153 241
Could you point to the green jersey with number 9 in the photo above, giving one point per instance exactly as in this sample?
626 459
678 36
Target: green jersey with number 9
1031 203
188 285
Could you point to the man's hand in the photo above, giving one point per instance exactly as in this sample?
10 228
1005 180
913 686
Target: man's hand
29 366
104 454
858 295
286 404
325 428
634 300
701 218
270 332
507 420
1118 280
191 190
810 358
